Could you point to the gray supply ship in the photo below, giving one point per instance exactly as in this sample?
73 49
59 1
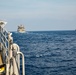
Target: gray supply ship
21 29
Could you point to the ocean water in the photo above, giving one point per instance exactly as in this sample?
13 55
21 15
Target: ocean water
48 52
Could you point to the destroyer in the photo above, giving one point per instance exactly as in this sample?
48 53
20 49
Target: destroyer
21 29
9 54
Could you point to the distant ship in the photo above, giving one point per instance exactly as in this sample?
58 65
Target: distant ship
21 29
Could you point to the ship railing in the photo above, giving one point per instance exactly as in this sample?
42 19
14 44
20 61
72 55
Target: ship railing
10 55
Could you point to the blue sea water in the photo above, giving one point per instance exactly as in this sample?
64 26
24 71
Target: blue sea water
48 52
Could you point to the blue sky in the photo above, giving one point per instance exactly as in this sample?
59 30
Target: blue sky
39 15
